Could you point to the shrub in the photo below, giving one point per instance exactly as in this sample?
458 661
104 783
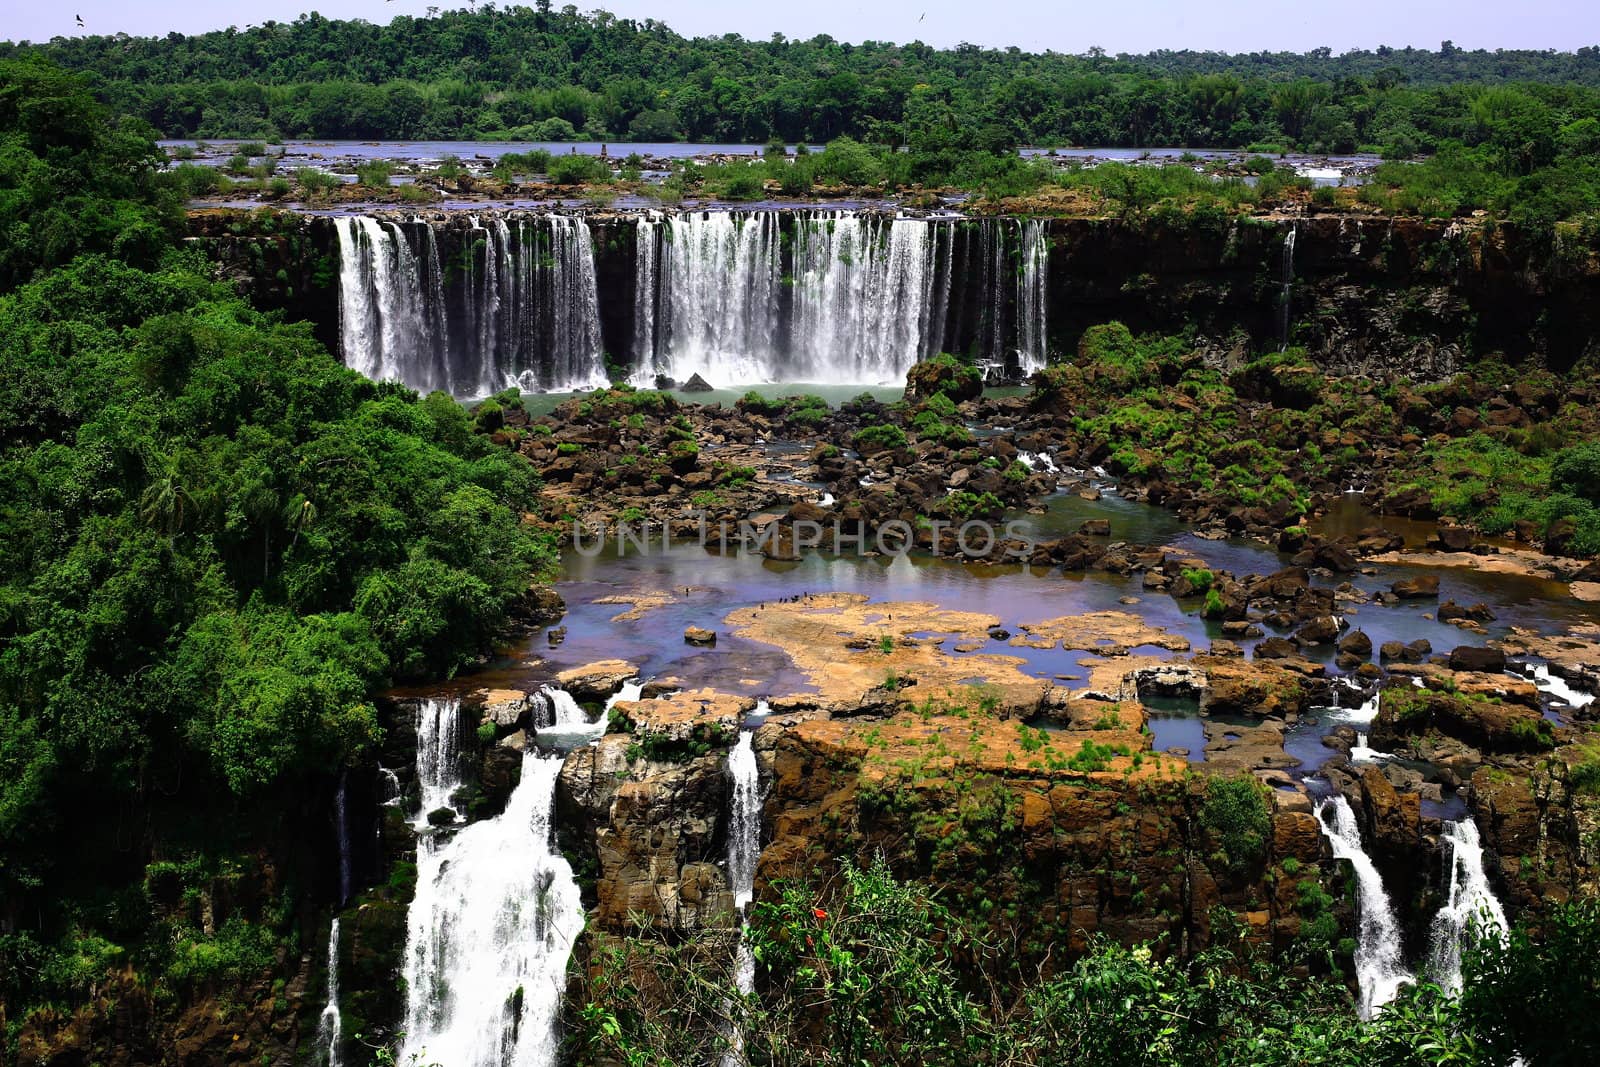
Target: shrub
1235 810
374 174
878 438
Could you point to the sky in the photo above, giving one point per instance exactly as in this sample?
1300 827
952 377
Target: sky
1033 25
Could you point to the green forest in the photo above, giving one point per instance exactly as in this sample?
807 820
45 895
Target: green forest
216 545
537 74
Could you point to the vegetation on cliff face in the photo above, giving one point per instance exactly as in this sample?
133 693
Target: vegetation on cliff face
216 544
879 971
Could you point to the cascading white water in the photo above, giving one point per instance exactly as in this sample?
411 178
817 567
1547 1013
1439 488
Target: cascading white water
744 848
717 309
438 754
840 296
330 1025
524 309
863 298
647 256
560 720
1288 286
1032 285
1469 904
387 329
1380 970
342 830
744 821
488 936
1553 685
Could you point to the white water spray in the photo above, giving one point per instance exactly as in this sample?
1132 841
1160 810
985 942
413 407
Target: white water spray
1470 903
1379 967
438 755
489 935
330 1025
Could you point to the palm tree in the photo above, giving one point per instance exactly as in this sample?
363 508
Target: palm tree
165 503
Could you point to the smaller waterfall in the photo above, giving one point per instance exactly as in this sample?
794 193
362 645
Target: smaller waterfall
330 1025
438 755
1470 902
388 787
1553 685
1380 971
1288 286
744 848
1031 296
342 826
488 936
560 720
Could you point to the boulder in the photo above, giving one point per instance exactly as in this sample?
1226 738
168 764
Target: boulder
1320 630
943 374
1276 648
696 384
1095 528
697 635
1452 538
1476 658
1418 588
1356 643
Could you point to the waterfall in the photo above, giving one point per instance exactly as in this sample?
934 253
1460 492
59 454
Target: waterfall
1288 286
387 329
830 296
744 821
717 312
1553 685
342 827
438 755
330 1024
560 720
1470 901
863 294
518 307
647 254
744 848
1379 967
1031 296
489 934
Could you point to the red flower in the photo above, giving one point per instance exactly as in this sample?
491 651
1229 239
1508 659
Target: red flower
819 913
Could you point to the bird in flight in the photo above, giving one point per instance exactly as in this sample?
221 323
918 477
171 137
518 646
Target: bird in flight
80 20
922 16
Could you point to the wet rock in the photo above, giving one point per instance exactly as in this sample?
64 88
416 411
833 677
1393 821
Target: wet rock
696 384
594 682
1452 538
541 606
1276 648
697 635
1095 528
1476 658
506 708
1321 630
1415 652
1356 643
1450 611
1418 588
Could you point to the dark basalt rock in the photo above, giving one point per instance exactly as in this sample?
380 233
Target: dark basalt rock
696 384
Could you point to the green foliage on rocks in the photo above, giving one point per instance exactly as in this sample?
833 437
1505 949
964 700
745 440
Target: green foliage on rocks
1235 811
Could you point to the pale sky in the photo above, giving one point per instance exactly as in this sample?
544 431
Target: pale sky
1034 25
